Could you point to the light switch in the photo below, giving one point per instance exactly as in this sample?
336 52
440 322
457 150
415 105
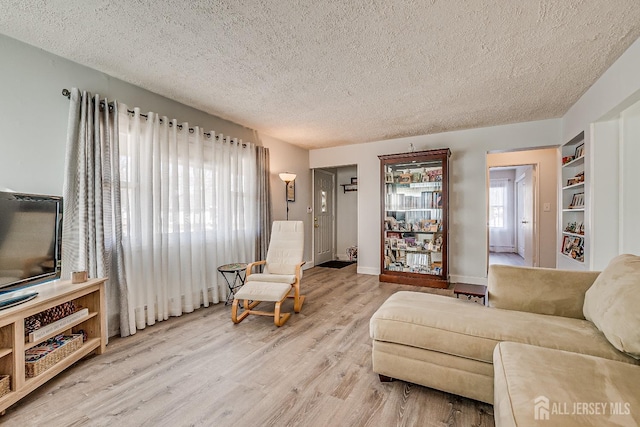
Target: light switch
546 207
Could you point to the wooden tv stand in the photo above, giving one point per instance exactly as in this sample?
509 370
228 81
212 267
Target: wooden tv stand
13 343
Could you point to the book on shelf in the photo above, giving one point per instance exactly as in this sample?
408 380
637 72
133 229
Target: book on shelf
58 324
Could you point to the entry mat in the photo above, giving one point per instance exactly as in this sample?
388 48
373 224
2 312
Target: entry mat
336 264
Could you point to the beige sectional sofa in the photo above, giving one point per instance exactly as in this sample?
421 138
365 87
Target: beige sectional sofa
545 315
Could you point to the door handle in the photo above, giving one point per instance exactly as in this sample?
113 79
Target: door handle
316 226
525 222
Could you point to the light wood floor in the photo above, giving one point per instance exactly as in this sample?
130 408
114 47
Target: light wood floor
201 370
505 258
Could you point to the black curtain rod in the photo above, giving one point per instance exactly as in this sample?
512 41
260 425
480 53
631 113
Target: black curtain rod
66 93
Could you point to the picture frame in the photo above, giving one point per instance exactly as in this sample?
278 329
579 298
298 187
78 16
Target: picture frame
291 191
405 178
566 245
577 201
579 151
354 180
388 178
393 243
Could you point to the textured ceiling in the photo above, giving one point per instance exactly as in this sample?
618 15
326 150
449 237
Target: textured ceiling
326 73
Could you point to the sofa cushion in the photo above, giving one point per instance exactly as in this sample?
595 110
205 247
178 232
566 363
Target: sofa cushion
470 330
612 303
572 389
539 290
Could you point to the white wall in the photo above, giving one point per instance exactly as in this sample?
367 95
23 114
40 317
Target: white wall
546 161
468 218
630 180
597 113
289 158
346 212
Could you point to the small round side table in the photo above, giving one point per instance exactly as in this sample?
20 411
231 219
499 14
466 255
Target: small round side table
235 271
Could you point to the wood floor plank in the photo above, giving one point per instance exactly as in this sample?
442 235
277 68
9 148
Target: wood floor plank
200 369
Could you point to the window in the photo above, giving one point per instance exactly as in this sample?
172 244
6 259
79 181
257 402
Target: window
497 203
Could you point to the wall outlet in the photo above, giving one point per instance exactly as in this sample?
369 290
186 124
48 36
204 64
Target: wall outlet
546 207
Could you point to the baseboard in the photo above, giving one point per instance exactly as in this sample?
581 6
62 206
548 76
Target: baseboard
373 271
308 265
345 258
503 249
454 278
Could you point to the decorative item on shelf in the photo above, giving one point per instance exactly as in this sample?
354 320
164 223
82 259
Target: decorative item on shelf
579 178
31 324
567 159
577 202
76 317
579 151
5 384
79 277
575 227
573 247
47 316
84 334
289 180
43 356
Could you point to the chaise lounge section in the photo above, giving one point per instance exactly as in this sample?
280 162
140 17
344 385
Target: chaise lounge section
448 344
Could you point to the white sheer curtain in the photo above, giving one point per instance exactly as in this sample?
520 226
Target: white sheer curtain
189 204
501 216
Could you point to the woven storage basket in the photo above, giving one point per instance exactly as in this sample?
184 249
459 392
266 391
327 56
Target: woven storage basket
43 356
5 384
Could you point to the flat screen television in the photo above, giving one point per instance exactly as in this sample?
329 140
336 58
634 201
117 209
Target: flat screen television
30 239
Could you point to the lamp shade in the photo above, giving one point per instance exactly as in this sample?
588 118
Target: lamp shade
287 176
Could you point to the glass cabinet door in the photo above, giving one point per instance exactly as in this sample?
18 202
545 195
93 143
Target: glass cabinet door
413 217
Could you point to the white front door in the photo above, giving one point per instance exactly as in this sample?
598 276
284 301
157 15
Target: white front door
323 218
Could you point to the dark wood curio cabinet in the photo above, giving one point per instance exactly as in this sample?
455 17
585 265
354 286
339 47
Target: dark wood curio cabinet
415 218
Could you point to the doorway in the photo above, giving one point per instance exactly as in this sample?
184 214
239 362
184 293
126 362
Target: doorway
323 216
335 219
512 215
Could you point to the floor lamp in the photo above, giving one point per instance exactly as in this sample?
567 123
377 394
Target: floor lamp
287 177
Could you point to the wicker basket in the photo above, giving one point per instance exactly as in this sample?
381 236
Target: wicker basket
5 384
43 356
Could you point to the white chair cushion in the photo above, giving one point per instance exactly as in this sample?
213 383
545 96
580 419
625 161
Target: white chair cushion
277 278
263 291
286 247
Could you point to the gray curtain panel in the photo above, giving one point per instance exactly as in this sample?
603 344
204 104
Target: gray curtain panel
92 223
264 203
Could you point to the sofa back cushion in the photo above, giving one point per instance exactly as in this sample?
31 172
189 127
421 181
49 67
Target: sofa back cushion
612 303
539 290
